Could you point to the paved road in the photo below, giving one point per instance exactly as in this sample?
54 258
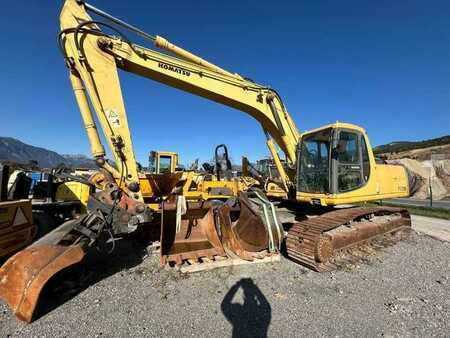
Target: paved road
445 204
434 227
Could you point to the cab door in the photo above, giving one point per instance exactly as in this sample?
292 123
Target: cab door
350 161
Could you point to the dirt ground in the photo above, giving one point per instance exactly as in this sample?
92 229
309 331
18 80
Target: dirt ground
400 290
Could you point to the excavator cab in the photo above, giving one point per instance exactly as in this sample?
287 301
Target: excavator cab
336 165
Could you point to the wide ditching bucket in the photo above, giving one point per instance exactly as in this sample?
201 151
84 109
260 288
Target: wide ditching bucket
24 275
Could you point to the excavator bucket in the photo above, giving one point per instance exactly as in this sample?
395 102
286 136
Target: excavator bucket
189 236
247 232
236 228
257 227
24 275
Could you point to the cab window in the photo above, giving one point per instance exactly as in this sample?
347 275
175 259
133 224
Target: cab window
165 164
349 163
348 147
314 163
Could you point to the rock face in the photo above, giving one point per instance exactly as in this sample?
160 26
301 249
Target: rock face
16 151
424 173
420 150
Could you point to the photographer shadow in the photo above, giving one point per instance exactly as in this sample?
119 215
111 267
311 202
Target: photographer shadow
252 318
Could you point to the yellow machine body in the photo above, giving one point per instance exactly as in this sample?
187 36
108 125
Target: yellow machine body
74 191
383 181
273 190
204 189
16 226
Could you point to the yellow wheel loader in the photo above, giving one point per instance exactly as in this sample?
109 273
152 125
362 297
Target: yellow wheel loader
328 166
215 182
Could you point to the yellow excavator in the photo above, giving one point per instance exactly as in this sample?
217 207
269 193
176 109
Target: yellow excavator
328 166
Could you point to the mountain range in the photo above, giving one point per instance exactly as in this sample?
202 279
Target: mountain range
14 150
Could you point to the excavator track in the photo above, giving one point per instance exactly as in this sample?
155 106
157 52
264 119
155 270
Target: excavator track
317 242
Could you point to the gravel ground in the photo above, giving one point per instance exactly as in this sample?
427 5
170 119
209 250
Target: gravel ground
402 290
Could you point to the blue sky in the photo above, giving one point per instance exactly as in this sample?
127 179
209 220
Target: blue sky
384 65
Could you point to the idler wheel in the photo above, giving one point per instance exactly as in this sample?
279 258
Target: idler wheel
324 249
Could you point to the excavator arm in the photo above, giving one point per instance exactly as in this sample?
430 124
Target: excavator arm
94 57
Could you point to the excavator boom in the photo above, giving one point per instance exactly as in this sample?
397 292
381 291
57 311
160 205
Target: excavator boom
86 46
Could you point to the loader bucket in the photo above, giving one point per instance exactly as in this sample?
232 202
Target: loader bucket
249 228
24 275
163 184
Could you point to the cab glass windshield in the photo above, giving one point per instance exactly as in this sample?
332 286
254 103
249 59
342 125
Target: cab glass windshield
314 162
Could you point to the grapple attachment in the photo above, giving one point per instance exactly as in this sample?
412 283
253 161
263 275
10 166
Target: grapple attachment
24 275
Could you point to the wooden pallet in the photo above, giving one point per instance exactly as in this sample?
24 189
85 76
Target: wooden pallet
220 262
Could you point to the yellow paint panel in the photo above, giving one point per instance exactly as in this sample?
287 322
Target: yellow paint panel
74 191
16 228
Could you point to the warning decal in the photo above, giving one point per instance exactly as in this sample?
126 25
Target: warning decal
113 118
19 218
